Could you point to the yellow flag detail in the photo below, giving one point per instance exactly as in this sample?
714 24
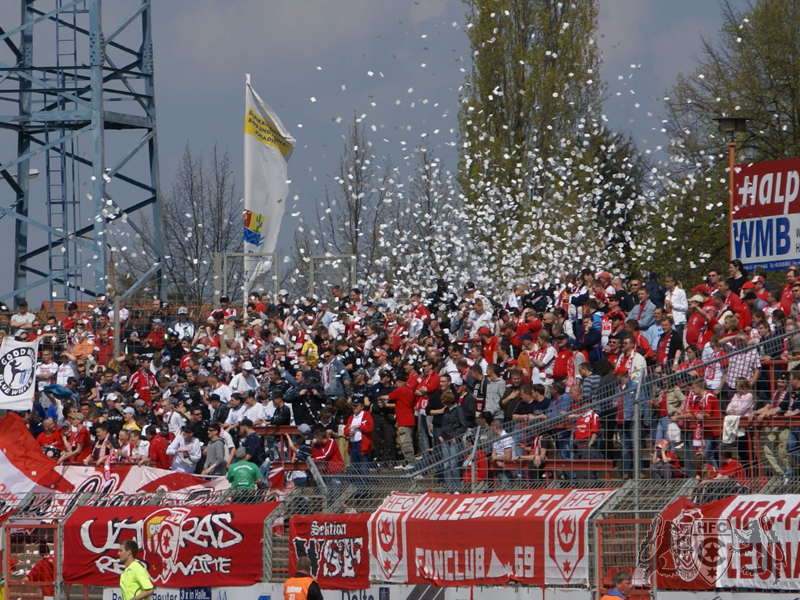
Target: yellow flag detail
261 129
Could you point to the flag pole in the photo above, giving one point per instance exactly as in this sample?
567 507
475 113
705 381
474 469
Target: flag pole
245 282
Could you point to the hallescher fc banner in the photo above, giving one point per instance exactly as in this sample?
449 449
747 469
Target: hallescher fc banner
267 149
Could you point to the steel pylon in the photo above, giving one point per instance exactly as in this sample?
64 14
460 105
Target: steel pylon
77 105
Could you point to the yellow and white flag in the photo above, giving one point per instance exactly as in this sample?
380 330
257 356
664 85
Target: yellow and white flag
267 148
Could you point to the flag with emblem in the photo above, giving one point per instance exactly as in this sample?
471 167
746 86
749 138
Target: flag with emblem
267 148
17 373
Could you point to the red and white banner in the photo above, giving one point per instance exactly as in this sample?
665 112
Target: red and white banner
195 546
750 542
536 537
766 213
336 545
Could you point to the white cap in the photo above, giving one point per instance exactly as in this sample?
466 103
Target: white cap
283 293
247 366
183 310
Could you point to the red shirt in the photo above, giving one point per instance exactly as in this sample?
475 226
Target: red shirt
404 400
142 381
489 349
431 383
787 299
78 437
712 421
733 468
158 452
54 439
586 425
694 328
329 455
561 363
105 352
156 338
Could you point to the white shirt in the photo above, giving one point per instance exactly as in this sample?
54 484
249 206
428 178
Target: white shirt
501 443
65 371
181 463
235 415
174 421
50 370
255 413
224 392
355 434
241 383
679 305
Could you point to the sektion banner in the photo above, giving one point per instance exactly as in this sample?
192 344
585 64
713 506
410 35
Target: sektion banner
750 542
182 547
536 537
336 545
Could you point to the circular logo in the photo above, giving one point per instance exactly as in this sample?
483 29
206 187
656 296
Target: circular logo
16 368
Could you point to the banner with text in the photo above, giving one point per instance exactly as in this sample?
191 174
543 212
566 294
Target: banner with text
17 373
336 545
186 547
536 537
750 542
765 222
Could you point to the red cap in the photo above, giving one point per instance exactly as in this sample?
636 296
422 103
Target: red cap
604 275
748 285
756 279
620 371
484 331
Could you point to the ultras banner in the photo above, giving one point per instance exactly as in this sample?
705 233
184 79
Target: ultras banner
336 545
536 537
182 547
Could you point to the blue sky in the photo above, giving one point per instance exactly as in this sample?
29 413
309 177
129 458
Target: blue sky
397 65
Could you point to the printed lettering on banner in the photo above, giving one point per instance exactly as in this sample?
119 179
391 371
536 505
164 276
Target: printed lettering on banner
566 536
336 546
748 541
183 547
387 535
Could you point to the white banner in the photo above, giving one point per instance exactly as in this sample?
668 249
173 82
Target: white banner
267 149
17 369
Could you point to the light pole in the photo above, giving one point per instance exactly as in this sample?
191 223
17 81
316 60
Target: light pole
731 125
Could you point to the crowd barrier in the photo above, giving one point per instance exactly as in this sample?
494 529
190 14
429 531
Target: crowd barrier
619 535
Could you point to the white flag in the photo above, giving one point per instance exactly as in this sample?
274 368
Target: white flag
267 148
17 369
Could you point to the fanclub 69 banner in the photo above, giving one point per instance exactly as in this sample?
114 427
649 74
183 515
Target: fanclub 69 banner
765 220
749 541
195 546
336 545
536 537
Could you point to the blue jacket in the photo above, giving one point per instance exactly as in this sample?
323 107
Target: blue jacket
648 318
628 394
337 376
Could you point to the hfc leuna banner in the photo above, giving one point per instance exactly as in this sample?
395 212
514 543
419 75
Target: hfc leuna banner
747 541
17 373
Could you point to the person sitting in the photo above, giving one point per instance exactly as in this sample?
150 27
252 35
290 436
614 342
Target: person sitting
664 462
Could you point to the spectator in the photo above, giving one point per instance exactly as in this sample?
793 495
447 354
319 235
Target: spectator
359 430
216 459
244 476
326 453
664 462
186 451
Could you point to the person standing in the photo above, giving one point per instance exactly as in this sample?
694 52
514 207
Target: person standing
620 586
134 582
302 586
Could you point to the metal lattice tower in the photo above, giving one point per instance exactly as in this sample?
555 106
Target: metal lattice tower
77 104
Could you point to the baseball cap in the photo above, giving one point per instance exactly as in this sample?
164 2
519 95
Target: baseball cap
112 397
484 331
129 410
304 428
199 348
469 287
183 310
247 366
758 279
224 298
697 298
283 293
620 371
748 285
139 403
158 322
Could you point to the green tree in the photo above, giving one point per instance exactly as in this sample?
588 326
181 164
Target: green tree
528 171
752 69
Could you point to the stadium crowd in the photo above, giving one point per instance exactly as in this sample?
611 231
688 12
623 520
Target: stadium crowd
551 373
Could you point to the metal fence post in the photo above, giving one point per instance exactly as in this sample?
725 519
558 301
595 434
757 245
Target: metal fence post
637 428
